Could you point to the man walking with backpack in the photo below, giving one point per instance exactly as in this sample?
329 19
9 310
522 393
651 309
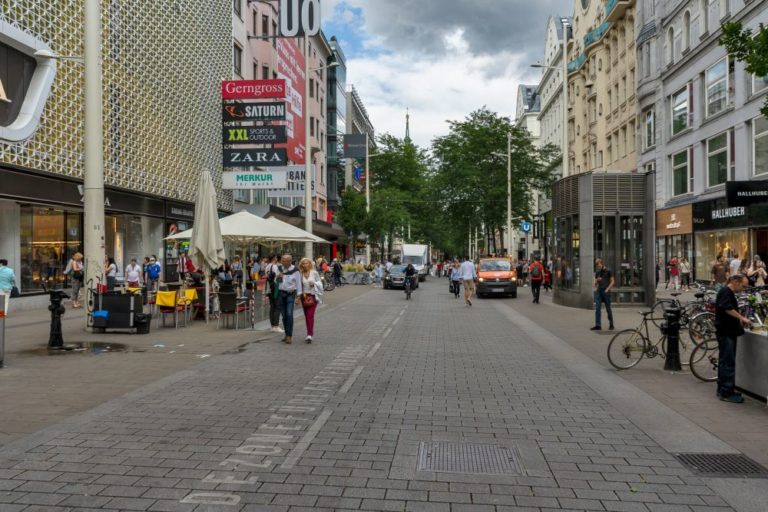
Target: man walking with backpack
536 271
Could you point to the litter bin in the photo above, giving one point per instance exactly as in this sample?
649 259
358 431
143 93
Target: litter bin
142 323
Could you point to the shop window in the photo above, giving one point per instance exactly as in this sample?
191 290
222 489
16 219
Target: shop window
717 160
680 173
48 239
567 249
718 81
679 105
760 145
710 245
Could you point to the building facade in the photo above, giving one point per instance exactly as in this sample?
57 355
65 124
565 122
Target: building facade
337 125
358 122
154 144
259 54
527 110
703 128
604 208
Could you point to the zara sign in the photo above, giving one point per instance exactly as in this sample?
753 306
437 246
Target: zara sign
25 82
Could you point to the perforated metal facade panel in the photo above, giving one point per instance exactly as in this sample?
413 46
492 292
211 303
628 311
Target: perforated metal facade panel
163 63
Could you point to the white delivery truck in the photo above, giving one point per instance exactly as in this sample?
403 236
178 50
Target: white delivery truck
418 255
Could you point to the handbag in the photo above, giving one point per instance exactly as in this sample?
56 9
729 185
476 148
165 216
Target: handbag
307 299
15 292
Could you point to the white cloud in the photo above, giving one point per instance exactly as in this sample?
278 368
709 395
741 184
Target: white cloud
435 88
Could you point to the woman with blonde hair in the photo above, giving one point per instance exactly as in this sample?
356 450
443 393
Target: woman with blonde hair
310 294
76 271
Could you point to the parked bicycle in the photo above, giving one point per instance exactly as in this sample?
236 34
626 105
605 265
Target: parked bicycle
628 347
688 310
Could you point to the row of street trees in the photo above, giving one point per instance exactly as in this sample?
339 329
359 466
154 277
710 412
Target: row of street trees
459 184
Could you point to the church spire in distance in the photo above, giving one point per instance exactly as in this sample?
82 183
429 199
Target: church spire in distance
407 139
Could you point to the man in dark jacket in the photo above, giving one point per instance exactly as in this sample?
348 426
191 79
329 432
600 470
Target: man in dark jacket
729 325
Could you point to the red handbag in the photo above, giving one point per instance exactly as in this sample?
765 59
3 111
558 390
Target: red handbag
307 299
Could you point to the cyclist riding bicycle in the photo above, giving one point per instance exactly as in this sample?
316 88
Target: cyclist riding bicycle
410 273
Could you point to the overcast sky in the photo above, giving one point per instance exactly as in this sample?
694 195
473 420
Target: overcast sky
440 58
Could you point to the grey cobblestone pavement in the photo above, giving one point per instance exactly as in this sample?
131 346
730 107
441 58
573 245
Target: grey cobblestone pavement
337 425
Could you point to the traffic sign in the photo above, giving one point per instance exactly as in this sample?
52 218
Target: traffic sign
526 226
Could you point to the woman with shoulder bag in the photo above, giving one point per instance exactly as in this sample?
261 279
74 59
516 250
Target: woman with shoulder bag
75 270
311 294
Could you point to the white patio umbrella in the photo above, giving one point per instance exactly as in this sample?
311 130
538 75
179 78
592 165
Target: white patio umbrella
206 246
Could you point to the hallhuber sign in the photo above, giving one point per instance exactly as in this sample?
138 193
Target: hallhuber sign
746 193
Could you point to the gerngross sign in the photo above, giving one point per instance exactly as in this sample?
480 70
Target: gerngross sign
254 135
252 89
262 180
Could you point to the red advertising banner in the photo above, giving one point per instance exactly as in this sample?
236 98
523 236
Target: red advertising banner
290 67
252 89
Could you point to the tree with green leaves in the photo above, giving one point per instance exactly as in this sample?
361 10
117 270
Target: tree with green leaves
471 174
352 216
748 46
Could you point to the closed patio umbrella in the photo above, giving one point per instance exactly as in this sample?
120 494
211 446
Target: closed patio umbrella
207 246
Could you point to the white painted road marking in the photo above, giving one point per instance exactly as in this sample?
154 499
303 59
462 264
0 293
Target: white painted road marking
351 380
373 350
301 446
386 333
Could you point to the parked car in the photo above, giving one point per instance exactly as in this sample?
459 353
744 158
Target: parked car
496 276
395 278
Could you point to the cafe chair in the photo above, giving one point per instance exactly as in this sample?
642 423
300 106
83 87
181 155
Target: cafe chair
168 303
188 301
230 305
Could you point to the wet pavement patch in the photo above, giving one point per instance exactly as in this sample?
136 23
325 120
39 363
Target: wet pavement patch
81 348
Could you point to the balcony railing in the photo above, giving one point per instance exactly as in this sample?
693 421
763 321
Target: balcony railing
596 35
576 64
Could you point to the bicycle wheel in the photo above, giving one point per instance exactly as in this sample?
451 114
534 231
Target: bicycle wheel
626 349
702 327
658 311
704 360
685 349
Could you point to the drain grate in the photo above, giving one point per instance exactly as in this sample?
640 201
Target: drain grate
723 465
486 459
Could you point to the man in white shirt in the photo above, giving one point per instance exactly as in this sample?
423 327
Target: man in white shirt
289 279
468 275
133 274
735 264
389 265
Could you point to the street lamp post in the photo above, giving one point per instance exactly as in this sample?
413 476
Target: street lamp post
509 193
93 175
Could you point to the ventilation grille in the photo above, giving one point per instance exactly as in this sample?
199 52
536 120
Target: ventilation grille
722 465
566 197
485 459
619 192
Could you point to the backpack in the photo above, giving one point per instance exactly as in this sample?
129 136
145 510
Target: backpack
535 270
153 271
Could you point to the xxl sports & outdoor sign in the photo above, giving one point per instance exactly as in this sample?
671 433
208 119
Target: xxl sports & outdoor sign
25 82
239 112
255 135
252 89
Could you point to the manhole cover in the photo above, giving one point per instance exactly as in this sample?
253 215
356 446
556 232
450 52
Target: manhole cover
723 465
487 459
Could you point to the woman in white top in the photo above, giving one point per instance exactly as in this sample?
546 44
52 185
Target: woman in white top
76 271
310 294
111 270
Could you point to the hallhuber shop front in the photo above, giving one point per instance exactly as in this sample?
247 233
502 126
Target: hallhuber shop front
722 228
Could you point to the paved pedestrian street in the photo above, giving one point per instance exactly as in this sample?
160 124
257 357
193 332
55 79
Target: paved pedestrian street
421 405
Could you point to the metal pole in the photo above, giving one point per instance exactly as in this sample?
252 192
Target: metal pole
367 197
93 174
565 98
509 193
308 249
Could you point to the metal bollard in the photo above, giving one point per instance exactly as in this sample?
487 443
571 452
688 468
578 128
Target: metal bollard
56 339
671 327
